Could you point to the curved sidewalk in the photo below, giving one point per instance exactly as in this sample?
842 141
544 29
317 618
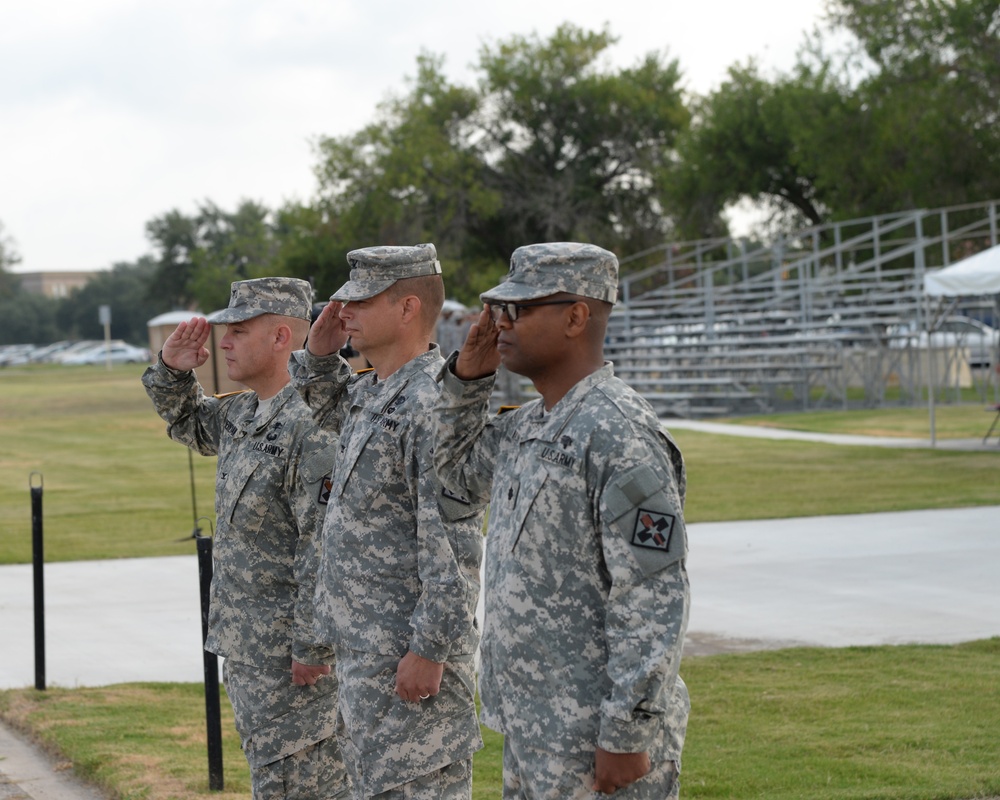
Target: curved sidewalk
763 432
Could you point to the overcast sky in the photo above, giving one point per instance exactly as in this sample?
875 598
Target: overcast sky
113 112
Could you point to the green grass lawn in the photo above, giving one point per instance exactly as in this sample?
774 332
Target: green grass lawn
893 723
733 477
115 486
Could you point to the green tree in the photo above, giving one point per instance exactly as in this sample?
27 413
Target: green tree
310 246
199 256
551 144
760 140
410 177
28 318
9 283
930 98
125 288
906 118
575 149
175 237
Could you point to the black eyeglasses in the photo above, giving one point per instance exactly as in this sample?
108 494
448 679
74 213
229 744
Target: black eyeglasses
513 310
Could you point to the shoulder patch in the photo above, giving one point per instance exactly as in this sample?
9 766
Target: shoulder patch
642 509
505 409
224 395
653 529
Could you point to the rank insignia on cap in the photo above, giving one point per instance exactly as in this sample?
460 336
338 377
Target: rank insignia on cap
653 529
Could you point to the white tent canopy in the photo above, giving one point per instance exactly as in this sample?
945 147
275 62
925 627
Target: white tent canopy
975 275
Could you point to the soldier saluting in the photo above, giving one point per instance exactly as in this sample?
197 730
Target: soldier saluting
270 500
586 589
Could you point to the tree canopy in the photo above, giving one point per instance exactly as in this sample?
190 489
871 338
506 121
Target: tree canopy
125 289
907 118
551 144
8 258
199 256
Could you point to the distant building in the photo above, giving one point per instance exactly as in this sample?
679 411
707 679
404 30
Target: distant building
54 284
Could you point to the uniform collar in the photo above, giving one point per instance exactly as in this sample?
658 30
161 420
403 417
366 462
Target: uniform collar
549 426
429 362
277 403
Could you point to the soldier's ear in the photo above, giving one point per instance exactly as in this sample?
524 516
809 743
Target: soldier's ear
282 334
411 307
577 317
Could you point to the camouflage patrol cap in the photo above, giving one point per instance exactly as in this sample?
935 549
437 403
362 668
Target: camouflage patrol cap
289 297
540 270
375 269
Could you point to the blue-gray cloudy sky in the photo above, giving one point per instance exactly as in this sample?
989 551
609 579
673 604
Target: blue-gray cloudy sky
116 111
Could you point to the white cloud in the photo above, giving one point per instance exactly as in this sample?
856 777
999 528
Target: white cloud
116 111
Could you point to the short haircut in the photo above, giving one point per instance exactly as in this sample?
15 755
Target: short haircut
299 328
300 331
429 289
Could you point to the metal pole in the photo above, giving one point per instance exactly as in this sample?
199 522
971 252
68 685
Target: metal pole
194 504
38 562
931 377
213 713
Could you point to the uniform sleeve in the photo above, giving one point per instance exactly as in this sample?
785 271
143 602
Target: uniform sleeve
641 520
449 551
321 382
465 439
308 491
192 418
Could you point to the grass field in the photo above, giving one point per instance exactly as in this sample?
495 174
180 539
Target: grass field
115 486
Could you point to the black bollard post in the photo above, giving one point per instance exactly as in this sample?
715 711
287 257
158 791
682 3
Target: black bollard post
213 712
38 561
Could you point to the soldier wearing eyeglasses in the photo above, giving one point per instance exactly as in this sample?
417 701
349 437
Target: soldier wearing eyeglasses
586 588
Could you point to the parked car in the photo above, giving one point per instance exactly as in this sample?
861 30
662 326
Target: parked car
71 349
980 341
15 354
115 352
47 352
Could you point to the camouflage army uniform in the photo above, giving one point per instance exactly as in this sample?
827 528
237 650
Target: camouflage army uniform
586 589
399 571
272 473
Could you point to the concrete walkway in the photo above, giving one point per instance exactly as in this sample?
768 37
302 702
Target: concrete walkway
762 432
915 576
28 773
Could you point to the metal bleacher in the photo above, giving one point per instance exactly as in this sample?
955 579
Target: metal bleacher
821 318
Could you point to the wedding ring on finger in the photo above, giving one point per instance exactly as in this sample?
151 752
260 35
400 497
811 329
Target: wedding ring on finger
424 696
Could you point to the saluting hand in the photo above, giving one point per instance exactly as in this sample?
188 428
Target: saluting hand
185 347
327 334
479 356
